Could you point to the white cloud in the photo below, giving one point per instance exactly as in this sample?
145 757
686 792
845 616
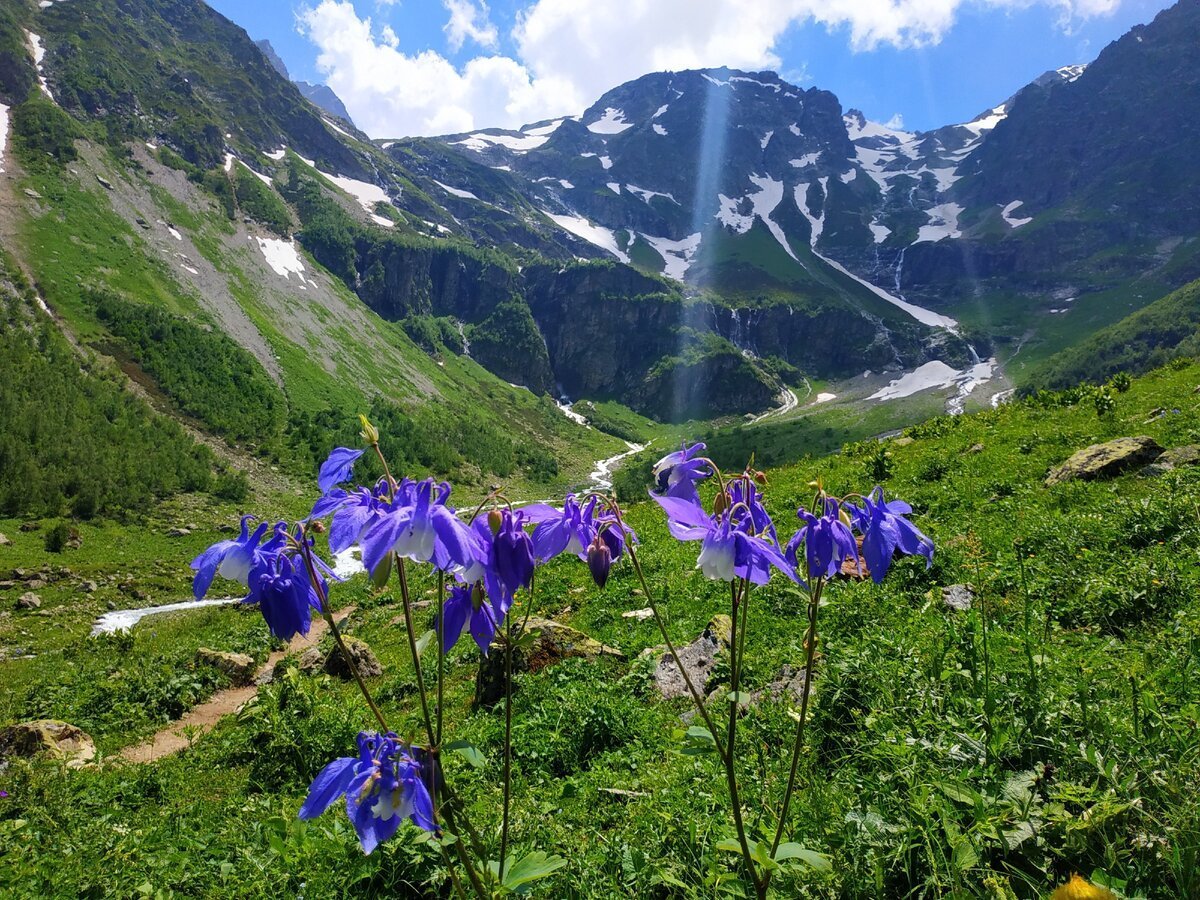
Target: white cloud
568 52
469 21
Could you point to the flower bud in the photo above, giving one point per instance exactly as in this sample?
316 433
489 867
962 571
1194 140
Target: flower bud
599 559
760 476
317 526
495 520
370 433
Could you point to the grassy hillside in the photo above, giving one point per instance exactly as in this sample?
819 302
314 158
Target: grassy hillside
1165 329
981 753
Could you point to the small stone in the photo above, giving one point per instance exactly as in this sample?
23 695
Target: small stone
361 657
179 532
29 601
238 666
87 587
902 441
61 740
958 596
975 448
104 182
4 540
30 526
36 584
7 585
30 192
640 614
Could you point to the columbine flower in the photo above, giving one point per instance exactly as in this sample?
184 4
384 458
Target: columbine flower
229 559
730 549
337 468
420 527
573 529
885 530
469 602
382 786
510 558
285 596
353 513
827 540
676 474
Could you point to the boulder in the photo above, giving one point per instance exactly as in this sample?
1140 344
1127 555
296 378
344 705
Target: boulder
29 600
239 667
699 658
1175 458
551 642
4 540
36 584
640 614
87 587
49 737
787 685
361 657
1106 460
958 596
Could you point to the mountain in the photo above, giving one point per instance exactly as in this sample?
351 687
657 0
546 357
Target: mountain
321 95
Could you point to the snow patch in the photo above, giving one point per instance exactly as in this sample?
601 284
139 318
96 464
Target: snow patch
564 406
712 80
455 192
988 120
517 143
794 129
774 87
658 129
265 179
382 220
807 159
502 168
284 258
879 232
765 200
728 215
364 192
1070 73
662 109
943 223
612 122
1007 214
766 139
229 157
39 53
544 130
677 255
614 187
937 374
602 237
825 398
606 162
332 124
174 232
276 155
648 195
847 177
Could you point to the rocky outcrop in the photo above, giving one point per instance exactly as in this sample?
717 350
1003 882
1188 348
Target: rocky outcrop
699 658
50 738
239 668
1106 460
362 658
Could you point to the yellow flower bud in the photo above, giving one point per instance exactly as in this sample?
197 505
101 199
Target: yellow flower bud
370 433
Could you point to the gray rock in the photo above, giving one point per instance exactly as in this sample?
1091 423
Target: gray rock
4 540
104 182
238 666
958 596
49 737
87 587
361 657
29 600
698 659
179 532
36 584
1106 460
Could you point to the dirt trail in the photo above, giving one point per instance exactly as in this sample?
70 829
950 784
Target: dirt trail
202 718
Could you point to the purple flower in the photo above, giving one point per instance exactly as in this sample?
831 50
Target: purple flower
285 596
885 530
511 556
677 474
599 560
382 787
573 528
827 540
729 549
229 559
337 468
420 527
468 602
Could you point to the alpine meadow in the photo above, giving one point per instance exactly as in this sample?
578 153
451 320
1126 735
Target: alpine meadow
622 467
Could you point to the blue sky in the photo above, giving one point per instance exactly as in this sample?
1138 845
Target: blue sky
435 66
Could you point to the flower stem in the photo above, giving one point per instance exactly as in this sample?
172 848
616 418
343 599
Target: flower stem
441 657
737 599
327 614
507 743
662 628
814 604
416 656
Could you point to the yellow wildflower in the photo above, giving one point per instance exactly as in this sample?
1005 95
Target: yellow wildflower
1080 889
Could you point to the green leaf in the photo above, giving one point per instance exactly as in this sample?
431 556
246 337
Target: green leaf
814 860
729 845
425 640
739 697
698 740
965 856
530 868
959 793
467 751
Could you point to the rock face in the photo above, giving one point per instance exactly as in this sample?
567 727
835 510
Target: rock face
552 643
238 666
29 601
59 740
361 657
1106 460
698 658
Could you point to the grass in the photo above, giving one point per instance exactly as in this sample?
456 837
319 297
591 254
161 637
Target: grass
930 773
